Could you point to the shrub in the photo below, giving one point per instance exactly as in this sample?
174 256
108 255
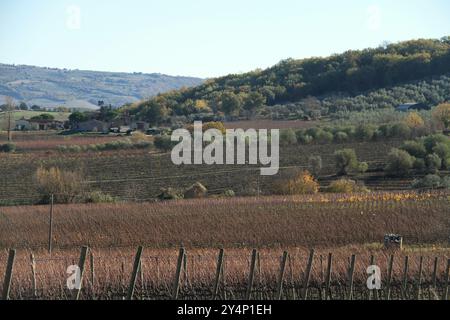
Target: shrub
340 137
300 183
430 181
138 137
349 130
163 143
324 137
399 162
365 132
304 138
347 162
400 130
99 197
442 150
314 132
210 125
414 148
446 164
445 182
385 129
196 191
8 147
433 163
229 193
315 165
66 186
346 186
419 164
432 141
288 137
170 194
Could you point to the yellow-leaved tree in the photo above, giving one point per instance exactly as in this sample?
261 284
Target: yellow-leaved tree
442 114
299 183
414 120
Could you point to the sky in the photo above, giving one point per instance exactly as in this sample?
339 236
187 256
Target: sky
204 38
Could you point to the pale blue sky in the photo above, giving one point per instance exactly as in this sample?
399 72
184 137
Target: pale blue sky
204 38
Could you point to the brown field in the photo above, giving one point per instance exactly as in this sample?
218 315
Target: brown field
342 225
309 221
46 141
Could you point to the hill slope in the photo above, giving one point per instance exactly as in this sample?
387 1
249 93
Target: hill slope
348 75
83 89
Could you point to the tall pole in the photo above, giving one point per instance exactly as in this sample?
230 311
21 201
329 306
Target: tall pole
9 125
50 227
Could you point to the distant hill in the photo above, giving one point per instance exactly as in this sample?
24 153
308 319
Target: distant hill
330 79
49 87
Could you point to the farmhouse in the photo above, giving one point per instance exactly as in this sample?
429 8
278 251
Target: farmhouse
45 124
412 106
23 125
140 126
92 126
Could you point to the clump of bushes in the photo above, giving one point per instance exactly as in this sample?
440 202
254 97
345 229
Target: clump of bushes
399 163
170 194
196 191
228 193
315 165
299 183
99 197
347 162
432 181
429 154
8 147
346 186
66 186
288 137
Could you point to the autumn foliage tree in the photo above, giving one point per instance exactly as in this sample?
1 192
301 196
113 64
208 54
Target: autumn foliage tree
442 114
65 185
414 121
301 182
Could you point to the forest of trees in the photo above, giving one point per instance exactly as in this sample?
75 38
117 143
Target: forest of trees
315 82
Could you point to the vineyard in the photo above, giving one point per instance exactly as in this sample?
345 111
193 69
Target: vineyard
350 227
232 274
309 221
140 175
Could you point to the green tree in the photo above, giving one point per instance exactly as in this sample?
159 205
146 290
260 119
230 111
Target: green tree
399 163
230 103
23 106
155 112
78 117
44 116
347 162
253 101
